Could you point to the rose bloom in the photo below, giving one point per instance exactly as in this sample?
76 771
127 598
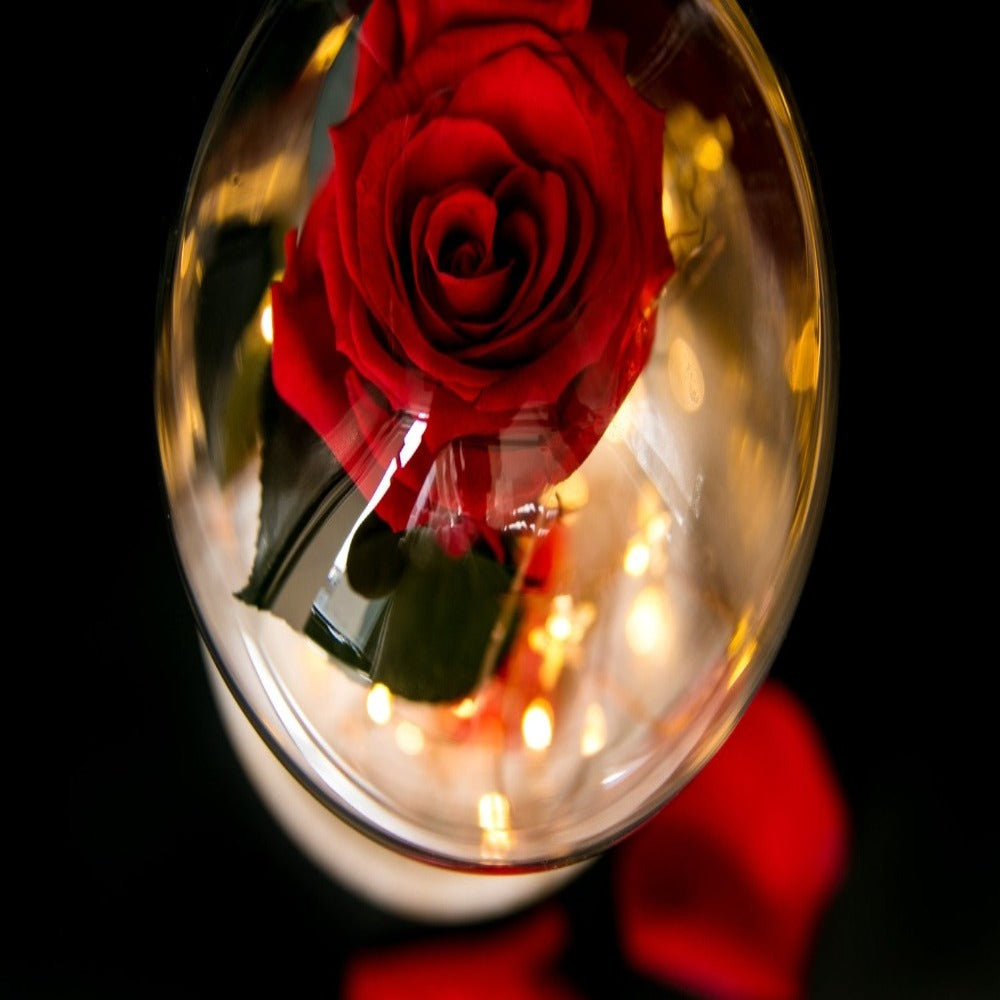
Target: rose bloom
468 301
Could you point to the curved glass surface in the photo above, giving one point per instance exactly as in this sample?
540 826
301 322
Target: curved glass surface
495 387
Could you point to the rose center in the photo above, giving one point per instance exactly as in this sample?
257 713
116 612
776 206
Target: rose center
461 255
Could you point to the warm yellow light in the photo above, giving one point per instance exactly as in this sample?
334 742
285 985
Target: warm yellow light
409 738
569 495
267 324
802 359
560 623
595 730
636 560
538 640
739 636
646 627
684 375
494 811
187 252
657 528
466 708
329 48
552 664
708 153
743 661
667 204
379 704
496 843
536 725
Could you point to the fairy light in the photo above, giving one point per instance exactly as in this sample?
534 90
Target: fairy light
553 660
637 556
536 724
267 324
560 623
496 843
379 704
466 708
538 640
494 811
708 153
646 626
657 528
595 730
409 738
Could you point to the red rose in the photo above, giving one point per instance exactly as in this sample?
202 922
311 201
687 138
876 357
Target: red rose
465 306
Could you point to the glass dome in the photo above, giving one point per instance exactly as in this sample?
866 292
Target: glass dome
495 391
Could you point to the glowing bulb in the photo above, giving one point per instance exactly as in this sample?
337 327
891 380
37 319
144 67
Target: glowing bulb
708 153
646 625
559 623
538 640
551 668
466 708
536 725
267 324
494 811
379 704
496 843
636 558
595 730
657 528
409 738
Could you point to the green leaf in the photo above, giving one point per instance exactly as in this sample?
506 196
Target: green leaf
377 558
443 625
435 625
301 483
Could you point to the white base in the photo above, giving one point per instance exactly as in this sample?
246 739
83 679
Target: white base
408 888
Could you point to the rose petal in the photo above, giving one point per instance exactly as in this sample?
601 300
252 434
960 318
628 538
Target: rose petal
403 104
465 212
722 891
464 221
306 368
421 20
502 89
379 47
541 314
514 962
420 169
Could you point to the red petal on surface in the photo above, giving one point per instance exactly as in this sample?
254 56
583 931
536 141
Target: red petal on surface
514 963
722 891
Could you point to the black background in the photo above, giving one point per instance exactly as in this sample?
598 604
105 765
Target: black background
140 861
